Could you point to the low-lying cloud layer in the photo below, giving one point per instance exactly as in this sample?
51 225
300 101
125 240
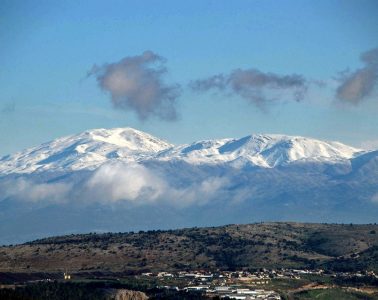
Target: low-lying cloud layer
136 83
255 86
27 190
358 85
117 182
113 183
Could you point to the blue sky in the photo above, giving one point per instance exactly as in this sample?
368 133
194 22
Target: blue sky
48 48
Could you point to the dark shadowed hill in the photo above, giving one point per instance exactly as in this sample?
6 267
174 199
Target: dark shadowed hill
268 245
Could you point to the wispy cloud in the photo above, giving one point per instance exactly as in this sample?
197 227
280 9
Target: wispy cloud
136 83
358 85
255 86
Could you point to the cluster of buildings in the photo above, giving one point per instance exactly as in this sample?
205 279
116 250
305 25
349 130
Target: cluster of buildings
225 284
358 274
260 277
240 284
234 292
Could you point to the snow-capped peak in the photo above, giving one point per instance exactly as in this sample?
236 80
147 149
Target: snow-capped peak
129 138
86 150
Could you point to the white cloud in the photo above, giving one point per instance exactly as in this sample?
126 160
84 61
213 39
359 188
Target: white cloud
135 183
27 190
115 183
131 182
198 192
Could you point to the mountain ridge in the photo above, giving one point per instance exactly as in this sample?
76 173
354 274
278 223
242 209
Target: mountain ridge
90 149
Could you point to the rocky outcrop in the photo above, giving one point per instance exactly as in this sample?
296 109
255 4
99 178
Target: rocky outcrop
122 294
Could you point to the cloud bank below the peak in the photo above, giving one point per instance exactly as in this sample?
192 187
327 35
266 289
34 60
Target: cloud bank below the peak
115 183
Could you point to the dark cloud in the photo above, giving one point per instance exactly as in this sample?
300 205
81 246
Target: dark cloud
136 83
254 85
358 85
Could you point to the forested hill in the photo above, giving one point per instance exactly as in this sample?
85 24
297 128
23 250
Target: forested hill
268 245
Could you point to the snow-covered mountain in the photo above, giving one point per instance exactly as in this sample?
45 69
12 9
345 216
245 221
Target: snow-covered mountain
265 151
124 179
92 148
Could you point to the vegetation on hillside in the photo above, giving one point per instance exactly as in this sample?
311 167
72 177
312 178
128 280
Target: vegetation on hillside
266 245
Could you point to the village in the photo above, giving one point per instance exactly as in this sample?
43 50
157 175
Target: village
269 284
224 284
232 285
242 284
